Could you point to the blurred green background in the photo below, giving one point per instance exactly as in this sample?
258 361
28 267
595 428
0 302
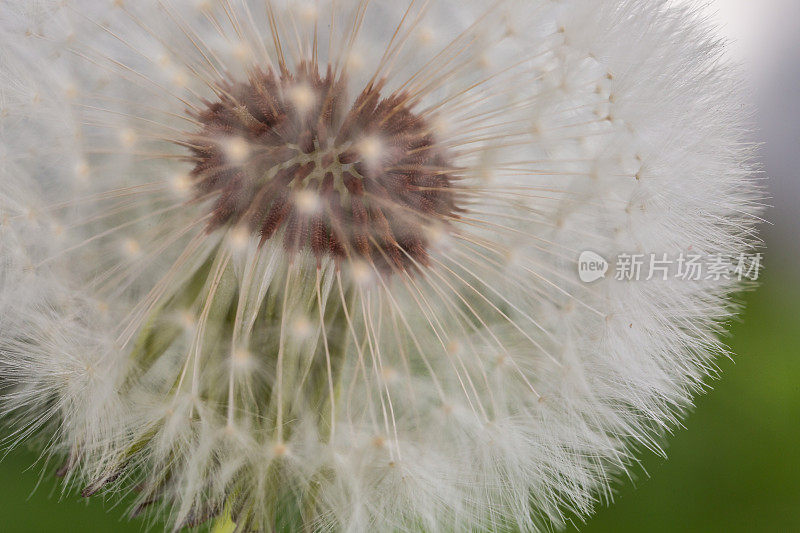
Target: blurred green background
734 468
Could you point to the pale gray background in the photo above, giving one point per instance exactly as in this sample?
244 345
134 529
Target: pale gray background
766 39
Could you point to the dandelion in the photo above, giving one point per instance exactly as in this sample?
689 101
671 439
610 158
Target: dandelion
282 265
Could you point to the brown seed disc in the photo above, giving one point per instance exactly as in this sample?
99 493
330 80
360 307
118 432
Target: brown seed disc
284 155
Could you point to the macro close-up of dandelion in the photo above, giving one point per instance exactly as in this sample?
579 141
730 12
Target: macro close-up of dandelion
353 265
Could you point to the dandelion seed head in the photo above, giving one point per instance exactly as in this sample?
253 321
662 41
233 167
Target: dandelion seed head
313 265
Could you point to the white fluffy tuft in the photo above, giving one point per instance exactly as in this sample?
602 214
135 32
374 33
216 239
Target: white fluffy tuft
225 380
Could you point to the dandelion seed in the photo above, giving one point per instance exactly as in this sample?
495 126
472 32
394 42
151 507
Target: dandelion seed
314 266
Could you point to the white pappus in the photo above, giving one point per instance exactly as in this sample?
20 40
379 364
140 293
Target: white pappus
281 265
